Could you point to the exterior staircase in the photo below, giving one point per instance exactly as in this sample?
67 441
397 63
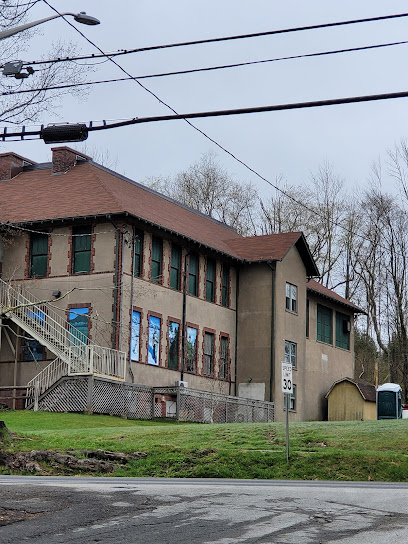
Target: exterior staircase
75 353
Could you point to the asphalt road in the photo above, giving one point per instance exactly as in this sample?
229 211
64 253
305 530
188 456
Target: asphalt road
169 511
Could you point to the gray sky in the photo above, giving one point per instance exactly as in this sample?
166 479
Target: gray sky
287 143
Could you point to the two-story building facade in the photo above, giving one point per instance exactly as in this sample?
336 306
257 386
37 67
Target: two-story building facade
183 296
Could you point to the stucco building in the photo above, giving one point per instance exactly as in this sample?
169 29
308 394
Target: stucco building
126 268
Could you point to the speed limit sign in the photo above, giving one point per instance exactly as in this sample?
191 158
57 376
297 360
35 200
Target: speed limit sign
287 384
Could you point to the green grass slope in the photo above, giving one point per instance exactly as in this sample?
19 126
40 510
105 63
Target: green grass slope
370 450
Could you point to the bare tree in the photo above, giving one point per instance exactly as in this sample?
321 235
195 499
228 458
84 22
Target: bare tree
317 210
18 103
206 187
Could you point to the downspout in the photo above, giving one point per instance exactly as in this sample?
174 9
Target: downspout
124 240
116 286
272 363
183 331
236 333
132 290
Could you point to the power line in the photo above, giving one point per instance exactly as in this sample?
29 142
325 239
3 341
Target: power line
186 118
216 40
214 113
205 69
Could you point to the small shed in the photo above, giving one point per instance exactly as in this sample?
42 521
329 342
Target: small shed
351 399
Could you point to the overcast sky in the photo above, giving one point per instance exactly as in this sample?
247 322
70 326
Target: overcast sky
291 144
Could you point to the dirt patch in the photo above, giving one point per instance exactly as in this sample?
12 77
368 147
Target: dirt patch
38 461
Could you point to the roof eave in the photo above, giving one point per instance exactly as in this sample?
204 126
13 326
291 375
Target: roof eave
350 306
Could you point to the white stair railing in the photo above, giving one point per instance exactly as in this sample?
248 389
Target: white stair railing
73 348
44 380
37 316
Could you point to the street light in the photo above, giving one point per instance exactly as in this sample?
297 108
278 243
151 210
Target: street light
81 17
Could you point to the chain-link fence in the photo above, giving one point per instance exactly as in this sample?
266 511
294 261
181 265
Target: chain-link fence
103 396
206 407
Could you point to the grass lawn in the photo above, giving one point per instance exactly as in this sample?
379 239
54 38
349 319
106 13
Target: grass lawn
369 450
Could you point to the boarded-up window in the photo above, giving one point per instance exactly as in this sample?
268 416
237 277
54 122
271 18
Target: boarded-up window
208 354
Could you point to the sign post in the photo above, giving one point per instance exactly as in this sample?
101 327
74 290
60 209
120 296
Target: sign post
287 390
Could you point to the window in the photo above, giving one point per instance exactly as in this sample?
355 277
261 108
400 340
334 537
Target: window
210 281
208 354
193 275
138 256
224 358
33 350
175 267
225 286
81 250
292 399
290 353
153 355
135 337
191 349
38 255
324 324
78 319
174 329
343 328
291 298
157 257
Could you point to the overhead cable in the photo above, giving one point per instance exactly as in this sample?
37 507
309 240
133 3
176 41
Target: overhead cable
221 39
269 108
205 69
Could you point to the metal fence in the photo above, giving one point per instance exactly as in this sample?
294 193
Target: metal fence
206 407
100 395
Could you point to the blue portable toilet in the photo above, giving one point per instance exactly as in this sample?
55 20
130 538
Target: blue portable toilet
388 398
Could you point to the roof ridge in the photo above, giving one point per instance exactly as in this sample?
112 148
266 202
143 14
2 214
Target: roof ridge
162 195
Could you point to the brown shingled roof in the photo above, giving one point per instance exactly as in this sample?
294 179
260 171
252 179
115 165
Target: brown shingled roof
274 247
270 247
88 189
366 389
323 291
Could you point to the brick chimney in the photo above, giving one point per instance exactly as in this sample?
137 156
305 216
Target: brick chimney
65 158
11 165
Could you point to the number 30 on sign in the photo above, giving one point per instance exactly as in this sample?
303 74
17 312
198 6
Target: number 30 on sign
287 385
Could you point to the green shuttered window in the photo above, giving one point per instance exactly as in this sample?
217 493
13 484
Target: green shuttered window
138 260
225 286
210 281
193 275
343 327
324 324
157 259
38 255
175 267
81 247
